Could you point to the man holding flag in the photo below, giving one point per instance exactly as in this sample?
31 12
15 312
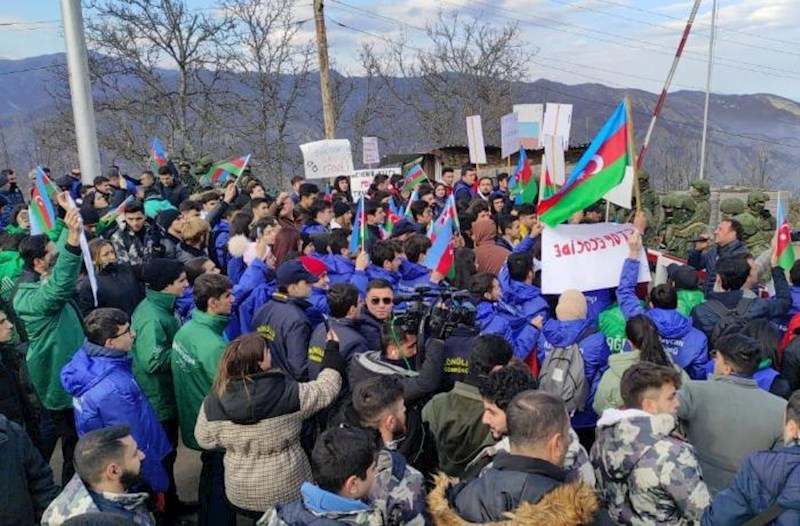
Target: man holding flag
52 322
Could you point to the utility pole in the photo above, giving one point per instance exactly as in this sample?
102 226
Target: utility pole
324 78
80 88
711 42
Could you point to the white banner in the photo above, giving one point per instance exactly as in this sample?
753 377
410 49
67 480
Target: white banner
557 122
324 159
369 147
622 194
586 257
509 136
477 152
361 180
556 164
529 124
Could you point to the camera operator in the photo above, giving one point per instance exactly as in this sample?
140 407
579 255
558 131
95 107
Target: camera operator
376 312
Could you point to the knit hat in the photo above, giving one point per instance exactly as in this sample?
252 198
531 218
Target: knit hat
571 306
166 217
340 208
684 276
89 216
160 272
313 265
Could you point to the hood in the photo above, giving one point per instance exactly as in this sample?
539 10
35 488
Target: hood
89 366
321 501
410 271
624 436
338 264
483 311
564 333
670 323
618 363
263 395
376 272
483 232
237 245
518 292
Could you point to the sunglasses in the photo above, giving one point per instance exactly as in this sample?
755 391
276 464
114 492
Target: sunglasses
386 301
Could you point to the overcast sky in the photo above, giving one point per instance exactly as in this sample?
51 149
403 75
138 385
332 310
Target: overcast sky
620 43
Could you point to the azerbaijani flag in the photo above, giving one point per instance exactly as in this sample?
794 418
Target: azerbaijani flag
219 172
414 176
118 210
440 255
41 211
158 157
392 217
546 186
524 185
784 248
359 234
411 200
327 196
600 169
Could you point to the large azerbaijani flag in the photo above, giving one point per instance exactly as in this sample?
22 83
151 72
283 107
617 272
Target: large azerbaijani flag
358 237
600 169
440 255
784 248
219 172
41 211
522 184
158 157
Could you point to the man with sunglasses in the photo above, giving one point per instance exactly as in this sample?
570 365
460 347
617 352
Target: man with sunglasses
376 311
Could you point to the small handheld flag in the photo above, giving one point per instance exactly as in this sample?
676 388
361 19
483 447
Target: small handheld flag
440 255
411 200
784 248
524 185
220 172
414 176
118 210
158 157
41 211
359 234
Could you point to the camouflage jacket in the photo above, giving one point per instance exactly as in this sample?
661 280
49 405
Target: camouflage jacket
702 211
644 474
321 508
75 500
677 237
576 464
399 490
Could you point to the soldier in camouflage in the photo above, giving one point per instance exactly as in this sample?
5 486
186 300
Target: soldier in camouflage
645 473
700 191
684 227
756 202
730 208
668 203
649 197
95 488
755 241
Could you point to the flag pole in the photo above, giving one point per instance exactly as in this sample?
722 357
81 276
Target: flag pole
632 153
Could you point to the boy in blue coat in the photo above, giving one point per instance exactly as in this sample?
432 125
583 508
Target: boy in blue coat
386 256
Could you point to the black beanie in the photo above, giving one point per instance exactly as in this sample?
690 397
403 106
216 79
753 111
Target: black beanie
160 272
166 217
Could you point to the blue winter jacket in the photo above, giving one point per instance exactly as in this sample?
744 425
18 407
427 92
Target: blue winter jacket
462 192
340 268
318 507
687 346
318 306
236 267
597 301
782 322
413 275
527 299
221 235
764 477
502 320
313 228
556 333
105 393
13 198
361 278
184 305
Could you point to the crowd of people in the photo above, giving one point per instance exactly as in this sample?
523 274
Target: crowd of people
240 324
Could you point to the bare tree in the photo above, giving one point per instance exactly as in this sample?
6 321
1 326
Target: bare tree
757 174
470 67
155 70
673 161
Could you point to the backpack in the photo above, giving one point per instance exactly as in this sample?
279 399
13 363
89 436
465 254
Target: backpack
563 374
731 321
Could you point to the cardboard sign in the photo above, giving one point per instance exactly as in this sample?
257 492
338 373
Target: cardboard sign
325 159
509 138
369 148
556 163
361 180
557 122
622 194
529 125
477 151
586 257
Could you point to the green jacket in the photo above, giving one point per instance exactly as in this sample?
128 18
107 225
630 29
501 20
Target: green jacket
10 270
155 326
196 351
16 230
689 299
611 323
53 324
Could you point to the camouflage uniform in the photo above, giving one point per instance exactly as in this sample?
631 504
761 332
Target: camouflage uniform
700 191
649 197
402 499
684 228
756 202
668 206
753 238
645 475
730 208
75 499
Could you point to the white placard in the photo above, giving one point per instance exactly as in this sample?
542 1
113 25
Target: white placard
556 164
622 194
361 180
369 147
529 125
509 137
477 152
324 159
586 257
557 122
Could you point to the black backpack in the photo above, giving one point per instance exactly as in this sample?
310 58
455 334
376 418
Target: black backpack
731 321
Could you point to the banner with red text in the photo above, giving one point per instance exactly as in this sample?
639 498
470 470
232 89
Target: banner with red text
586 257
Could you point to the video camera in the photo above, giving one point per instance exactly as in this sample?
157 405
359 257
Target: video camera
434 313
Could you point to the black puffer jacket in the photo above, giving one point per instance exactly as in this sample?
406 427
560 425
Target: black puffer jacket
371 328
117 286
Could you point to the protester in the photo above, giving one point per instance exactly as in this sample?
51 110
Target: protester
646 473
255 413
117 284
385 260
108 466
489 256
139 240
377 310
728 239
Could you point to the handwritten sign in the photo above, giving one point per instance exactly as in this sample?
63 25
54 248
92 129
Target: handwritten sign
361 180
323 159
569 250
369 147
477 152
509 137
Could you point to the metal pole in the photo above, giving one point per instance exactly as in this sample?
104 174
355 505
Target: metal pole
80 88
324 78
663 97
711 42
